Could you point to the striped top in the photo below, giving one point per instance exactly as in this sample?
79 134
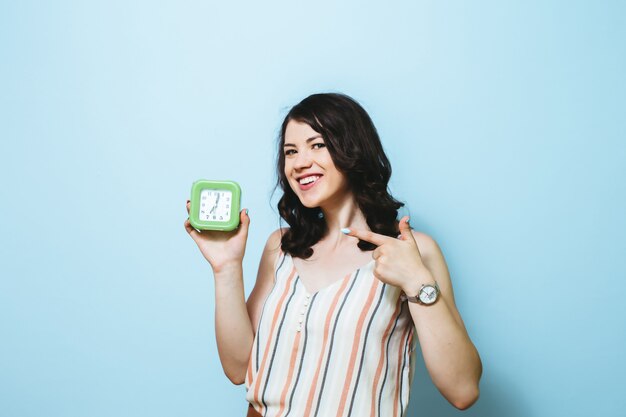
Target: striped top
345 350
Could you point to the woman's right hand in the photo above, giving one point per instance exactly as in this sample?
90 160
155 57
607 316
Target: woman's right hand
221 249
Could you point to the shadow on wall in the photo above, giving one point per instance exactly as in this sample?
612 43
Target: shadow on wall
498 397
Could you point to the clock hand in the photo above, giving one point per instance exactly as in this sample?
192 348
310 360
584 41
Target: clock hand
216 203
214 207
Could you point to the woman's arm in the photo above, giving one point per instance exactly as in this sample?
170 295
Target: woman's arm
235 319
265 277
233 329
450 356
409 262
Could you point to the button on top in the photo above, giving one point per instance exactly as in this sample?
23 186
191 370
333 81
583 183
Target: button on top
303 311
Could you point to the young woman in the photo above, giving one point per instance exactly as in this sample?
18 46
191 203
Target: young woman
345 292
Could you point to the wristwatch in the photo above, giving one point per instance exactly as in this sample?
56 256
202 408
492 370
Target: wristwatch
427 294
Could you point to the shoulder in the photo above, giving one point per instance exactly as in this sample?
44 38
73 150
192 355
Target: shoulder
272 248
271 253
428 246
274 239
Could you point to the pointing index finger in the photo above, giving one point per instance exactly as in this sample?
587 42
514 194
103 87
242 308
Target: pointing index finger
368 236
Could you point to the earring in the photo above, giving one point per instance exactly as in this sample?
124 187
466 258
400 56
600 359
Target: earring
320 215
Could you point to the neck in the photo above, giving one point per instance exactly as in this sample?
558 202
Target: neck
340 214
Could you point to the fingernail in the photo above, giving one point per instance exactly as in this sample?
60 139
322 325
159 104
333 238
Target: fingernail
246 212
345 230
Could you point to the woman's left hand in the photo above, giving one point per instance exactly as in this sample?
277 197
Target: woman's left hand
450 356
398 261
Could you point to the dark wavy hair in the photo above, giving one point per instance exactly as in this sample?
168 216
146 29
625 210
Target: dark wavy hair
354 146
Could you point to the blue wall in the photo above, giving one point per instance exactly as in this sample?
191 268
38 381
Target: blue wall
504 122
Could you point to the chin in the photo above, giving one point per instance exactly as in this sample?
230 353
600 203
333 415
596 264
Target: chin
309 204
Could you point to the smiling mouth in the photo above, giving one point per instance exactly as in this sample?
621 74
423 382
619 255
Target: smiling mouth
308 182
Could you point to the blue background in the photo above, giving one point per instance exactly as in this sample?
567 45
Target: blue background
504 122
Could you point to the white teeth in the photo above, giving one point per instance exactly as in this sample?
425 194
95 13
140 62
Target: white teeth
309 180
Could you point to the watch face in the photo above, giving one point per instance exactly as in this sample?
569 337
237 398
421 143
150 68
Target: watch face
215 205
428 294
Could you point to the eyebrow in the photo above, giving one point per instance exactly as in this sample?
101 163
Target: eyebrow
307 141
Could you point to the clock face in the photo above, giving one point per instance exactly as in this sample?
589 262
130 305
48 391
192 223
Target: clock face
215 205
428 295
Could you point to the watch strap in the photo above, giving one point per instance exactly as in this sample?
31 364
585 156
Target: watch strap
413 299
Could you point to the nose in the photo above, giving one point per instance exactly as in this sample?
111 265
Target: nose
303 160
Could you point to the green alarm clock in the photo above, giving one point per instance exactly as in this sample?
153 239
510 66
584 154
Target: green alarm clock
215 205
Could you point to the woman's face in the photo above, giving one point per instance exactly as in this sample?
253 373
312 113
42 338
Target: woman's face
309 168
